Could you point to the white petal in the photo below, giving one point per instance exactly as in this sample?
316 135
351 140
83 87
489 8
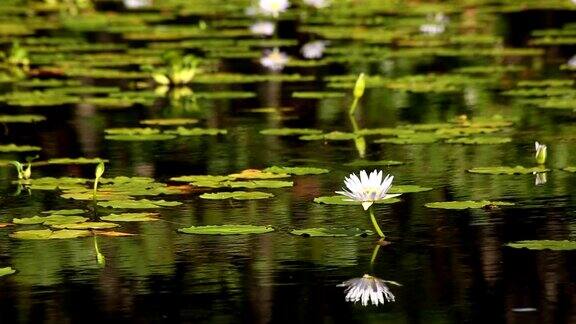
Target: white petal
367 204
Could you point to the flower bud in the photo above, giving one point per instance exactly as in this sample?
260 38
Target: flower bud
540 153
360 86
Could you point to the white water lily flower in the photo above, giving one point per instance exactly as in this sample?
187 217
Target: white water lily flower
572 62
436 25
313 50
540 153
265 28
367 289
319 4
274 60
136 4
367 189
540 178
273 7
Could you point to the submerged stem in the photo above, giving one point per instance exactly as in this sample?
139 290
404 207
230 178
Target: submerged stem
353 106
376 227
374 254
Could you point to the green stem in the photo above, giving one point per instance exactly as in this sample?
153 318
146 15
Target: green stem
95 188
373 218
353 106
374 254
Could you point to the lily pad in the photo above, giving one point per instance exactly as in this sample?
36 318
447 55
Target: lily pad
570 169
87 225
555 245
331 232
137 138
64 212
47 234
6 271
290 131
257 174
195 178
417 138
80 160
169 121
21 118
226 229
332 136
257 184
317 95
467 204
479 140
367 163
181 131
18 148
295 170
138 204
341 200
508 170
237 195
399 189
50 220
131 217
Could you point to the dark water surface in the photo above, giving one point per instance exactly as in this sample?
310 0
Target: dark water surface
453 266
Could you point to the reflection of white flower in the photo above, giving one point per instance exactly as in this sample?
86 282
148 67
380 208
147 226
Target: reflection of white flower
367 289
274 60
319 4
273 7
540 178
313 50
572 61
265 28
367 189
540 153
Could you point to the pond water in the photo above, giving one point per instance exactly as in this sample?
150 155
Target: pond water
455 91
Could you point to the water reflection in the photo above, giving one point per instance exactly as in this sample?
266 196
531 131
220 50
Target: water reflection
367 289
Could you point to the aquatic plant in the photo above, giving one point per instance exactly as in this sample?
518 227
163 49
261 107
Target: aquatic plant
178 69
99 256
314 49
359 88
368 289
273 7
540 178
318 4
16 60
98 174
436 24
274 60
368 189
264 28
540 155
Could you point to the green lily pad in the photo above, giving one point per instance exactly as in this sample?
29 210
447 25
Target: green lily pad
367 163
199 178
544 245
133 131
508 170
290 131
479 140
331 232
18 148
137 138
21 118
47 234
399 189
138 204
386 131
332 136
258 184
414 139
237 195
49 183
467 204
50 220
295 170
570 169
80 160
169 121
181 131
226 229
131 217
86 225
6 271
64 212
257 174
341 200
317 95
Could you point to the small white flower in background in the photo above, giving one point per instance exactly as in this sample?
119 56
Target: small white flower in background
265 28
367 189
135 4
540 178
368 289
313 50
572 61
274 60
273 7
540 155
436 25
319 4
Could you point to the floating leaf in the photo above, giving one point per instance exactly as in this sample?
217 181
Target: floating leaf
195 178
399 189
6 271
137 138
49 220
87 225
544 245
570 169
169 121
138 204
80 160
237 195
64 212
467 204
417 138
226 229
331 232
290 131
341 200
295 170
257 184
257 174
508 170
332 136
21 118
479 140
317 95
47 234
18 148
181 131
131 217
112 233
367 163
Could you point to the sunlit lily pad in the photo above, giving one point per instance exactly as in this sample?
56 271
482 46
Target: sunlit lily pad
50 220
332 136
508 170
131 217
417 138
295 170
64 212
237 195
169 121
138 204
570 169
226 229
47 234
257 174
181 131
257 184
399 189
87 225
367 163
544 245
195 178
80 160
317 95
341 200
6 271
290 131
331 232
21 118
112 233
18 148
479 140
467 204
137 138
